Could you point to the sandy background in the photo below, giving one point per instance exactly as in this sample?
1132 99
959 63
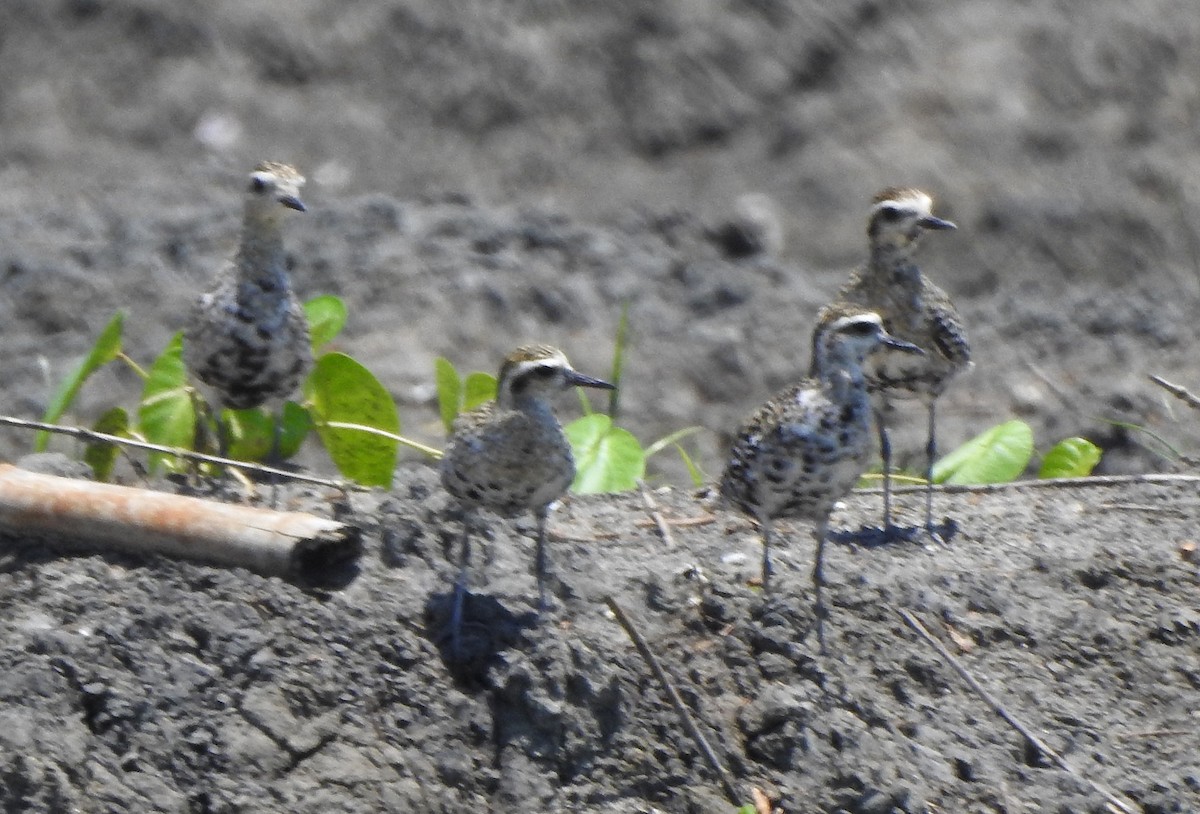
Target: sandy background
484 174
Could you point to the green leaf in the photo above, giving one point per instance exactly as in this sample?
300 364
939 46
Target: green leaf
449 390
997 455
167 414
249 434
479 388
107 347
326 318
1070 458
296 424
102 456
340 389
607 458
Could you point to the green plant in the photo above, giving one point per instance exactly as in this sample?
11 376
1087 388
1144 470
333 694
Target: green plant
352 413
1001 453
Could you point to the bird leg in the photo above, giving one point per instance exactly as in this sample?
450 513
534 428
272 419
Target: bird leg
820 611
542 513
930 457
764 528
460 586
885 452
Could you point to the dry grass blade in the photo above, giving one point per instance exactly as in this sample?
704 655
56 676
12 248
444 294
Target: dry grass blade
1030 736
187 454
685 715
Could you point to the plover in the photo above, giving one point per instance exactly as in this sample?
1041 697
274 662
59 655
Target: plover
803 450
247 338
915 310
511 455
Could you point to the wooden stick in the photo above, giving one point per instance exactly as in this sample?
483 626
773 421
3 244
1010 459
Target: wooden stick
689 723
1178 391
1167 479
1028 734
104 516
664 531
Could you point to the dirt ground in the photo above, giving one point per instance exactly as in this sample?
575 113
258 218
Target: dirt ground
486 174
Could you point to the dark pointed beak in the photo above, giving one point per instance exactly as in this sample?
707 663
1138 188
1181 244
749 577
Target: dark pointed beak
901 345
292 202
930 222
579 380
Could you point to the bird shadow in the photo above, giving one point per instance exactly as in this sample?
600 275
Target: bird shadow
880 537
487 628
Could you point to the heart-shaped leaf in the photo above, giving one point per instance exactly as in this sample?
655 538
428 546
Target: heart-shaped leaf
1070 458
449 390
997 455
106 348
479 388
607 458
167 414
102 456
326 318
341 390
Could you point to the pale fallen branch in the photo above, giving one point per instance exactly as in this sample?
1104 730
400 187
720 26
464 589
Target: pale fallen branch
1168 479
664 531
685 716
103 516
1178 391
436 454
104 438
1028 734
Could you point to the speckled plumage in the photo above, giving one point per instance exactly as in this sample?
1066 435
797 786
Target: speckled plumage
804 449
247 338
511 455
913 309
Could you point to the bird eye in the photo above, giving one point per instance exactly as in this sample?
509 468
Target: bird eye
861 328
891 214
257 184
544 372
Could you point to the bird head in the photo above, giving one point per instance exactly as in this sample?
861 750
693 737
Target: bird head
534 373
898 219
273 188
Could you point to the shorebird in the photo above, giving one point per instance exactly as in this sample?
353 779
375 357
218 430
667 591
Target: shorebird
803 450
511 455
247 338
915 310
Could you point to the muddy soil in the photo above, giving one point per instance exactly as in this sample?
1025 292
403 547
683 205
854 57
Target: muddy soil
481 176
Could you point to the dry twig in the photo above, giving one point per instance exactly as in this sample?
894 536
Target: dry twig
187 454
689 723
1028 734
1178 391
664 530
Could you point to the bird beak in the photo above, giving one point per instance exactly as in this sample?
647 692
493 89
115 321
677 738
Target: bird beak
930 222
293 202
900 344
579 380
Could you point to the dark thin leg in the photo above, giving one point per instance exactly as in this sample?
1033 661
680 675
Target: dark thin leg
539 564
820 611
885 452
460 586
764 528
930 457
274 458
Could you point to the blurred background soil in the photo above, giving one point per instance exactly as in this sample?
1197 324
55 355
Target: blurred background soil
485 174
482 174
